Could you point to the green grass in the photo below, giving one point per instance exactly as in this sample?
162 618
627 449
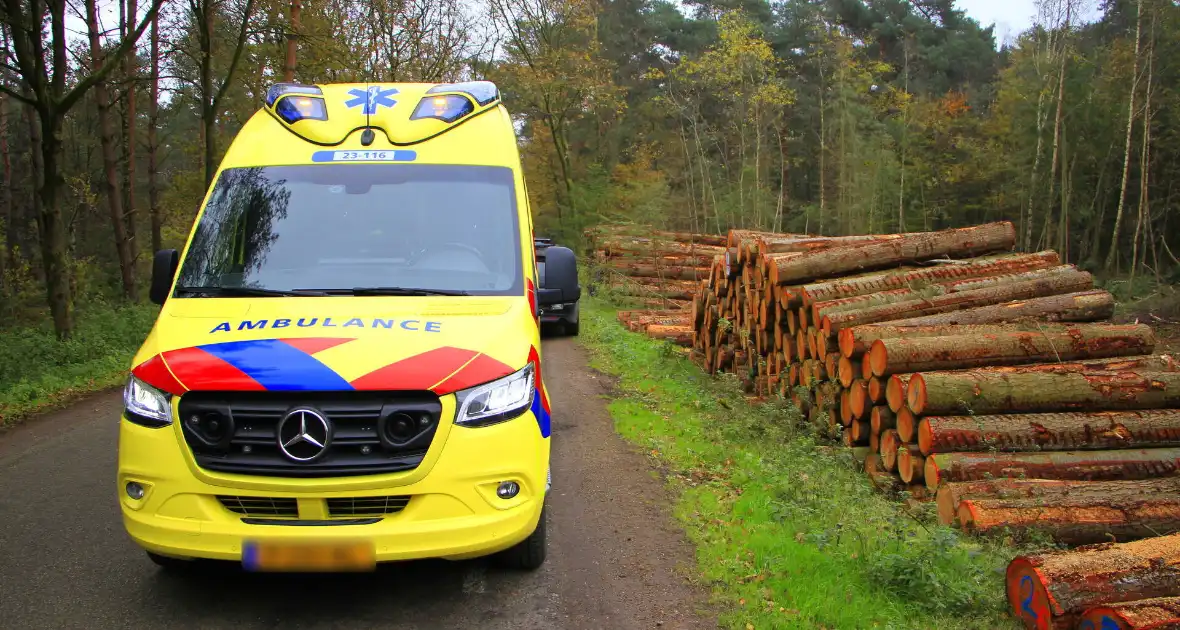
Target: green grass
37 372
788 533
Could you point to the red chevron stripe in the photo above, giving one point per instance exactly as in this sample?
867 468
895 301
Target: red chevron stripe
312 345
155 373
418 372
207 372
482 369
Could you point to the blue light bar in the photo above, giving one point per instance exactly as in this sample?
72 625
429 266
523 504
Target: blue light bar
292 109
483 92
279 89
447 108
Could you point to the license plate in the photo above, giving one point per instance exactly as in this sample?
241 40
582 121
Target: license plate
309 556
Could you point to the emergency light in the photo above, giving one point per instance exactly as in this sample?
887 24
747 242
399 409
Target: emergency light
447 108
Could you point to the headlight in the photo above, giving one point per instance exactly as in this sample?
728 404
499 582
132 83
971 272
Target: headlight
500 400
146 405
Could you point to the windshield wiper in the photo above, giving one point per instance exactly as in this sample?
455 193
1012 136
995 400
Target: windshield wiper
247 291
388 291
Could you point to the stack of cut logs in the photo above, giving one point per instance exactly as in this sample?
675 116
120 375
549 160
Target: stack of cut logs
657 270
983 380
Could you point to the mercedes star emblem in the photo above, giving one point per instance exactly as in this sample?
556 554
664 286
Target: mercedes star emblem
304 435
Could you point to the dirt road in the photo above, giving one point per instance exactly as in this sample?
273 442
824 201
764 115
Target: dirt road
616 560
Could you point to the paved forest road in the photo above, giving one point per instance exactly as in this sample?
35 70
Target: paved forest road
615 561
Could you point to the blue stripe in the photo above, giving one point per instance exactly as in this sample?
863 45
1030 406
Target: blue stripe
278 366
541 415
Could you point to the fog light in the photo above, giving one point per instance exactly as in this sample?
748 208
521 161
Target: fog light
507 489
134 490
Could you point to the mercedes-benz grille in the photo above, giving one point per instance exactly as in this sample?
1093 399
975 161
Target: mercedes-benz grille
309 434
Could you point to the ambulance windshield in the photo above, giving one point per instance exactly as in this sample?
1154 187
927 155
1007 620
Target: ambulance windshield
336 228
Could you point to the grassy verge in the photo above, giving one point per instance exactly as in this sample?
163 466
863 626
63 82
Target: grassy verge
788 532
37 372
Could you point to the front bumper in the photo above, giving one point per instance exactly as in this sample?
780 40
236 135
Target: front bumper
453 511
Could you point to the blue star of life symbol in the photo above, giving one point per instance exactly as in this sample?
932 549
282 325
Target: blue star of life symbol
371 99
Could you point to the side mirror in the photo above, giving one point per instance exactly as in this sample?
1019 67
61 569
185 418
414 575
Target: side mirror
561 277
164 266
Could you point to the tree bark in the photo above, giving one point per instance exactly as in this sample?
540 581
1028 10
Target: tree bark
52 227
894 296
999 390
618 246
1076 465
1080 341
1057 285
7 225
1066 431
289 64
1081 518
110 167
950 494
153 146
1083 306
1052 590
131 72
943 270
654 271
674 289
961 242
1159 613
854 342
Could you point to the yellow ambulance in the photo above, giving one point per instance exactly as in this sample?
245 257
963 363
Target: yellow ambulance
346 367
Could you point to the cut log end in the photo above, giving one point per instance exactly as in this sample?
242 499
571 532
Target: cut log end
878 357
1028 595
1160 613
906 425
915 394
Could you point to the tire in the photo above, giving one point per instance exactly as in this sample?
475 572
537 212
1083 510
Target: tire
528 554
571 328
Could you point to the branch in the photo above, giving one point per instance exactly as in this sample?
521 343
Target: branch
233 64
7 91
71 98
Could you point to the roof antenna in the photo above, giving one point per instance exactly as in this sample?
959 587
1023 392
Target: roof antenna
367 136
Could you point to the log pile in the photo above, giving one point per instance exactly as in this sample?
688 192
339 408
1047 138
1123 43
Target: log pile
984 379
659 270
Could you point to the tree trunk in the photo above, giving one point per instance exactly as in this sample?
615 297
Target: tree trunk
1082 306
1077 465
153 147
7 225
950 494
110 167
1118 217
1058 285
895 296
961 243
854 342
1081 341
131 70
292 41
1068 431
1159 613
655 271
1081 518
884 281
895 391
765 247
51 226
1052 590
991 391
